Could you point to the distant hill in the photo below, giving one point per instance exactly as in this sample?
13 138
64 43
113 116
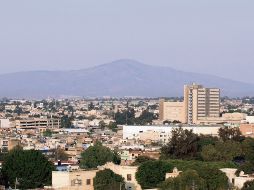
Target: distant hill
119 78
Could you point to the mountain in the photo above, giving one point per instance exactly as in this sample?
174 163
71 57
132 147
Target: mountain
119 78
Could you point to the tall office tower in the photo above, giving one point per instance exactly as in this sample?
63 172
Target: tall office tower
201 103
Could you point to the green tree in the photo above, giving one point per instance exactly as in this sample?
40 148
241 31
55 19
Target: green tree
215 179
182 145
47 133
98 155
91 106
107 179
145 118
151 173
187 180
248 149
66 122
228 133
125 117
102 125
30 167
112 126
142 159
222 151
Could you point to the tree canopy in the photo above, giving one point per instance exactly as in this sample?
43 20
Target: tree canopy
30 167
187 180
151 173
182 144
98 155
107 179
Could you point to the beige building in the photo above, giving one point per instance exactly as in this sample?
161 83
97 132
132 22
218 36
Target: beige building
73 180
38 123
83 179
7 144
199 104
171 111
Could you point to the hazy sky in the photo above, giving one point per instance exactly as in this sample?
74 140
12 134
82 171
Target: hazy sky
214 36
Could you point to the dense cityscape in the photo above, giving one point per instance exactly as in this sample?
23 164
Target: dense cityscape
198 141
126 95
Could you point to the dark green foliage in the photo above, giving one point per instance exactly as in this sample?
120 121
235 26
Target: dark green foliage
91 106
98 155
222 151
209 171
125 117
30 167
128 117
47 133
215 179
151 173
102 125
142 159
205 140
182 145
66 122
112 126
227 133
247 167
249 185
107 179
146 117
184 165
187 180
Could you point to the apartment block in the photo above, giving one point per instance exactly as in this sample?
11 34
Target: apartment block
201 103
38 123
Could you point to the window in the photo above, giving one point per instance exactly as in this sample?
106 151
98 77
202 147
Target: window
88 182
128 177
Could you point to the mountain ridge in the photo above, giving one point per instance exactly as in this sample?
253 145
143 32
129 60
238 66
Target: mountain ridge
124 77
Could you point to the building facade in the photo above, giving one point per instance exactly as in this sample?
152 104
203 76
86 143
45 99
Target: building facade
200 105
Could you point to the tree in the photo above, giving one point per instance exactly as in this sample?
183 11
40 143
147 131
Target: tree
66 122
98 155
145 118
248 185
248 149
222 151
30 167
112 126
205 140
125 117
182 145
215 179
107 179
142 159
227 133
151 173
59 154
187 180
47 133
102 125
209 153
91 106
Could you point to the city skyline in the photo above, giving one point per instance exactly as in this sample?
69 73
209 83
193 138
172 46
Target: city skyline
191 36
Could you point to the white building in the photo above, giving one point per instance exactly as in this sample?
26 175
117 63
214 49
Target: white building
163 133
5 123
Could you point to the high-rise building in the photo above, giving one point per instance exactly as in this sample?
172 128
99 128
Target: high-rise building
201 103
